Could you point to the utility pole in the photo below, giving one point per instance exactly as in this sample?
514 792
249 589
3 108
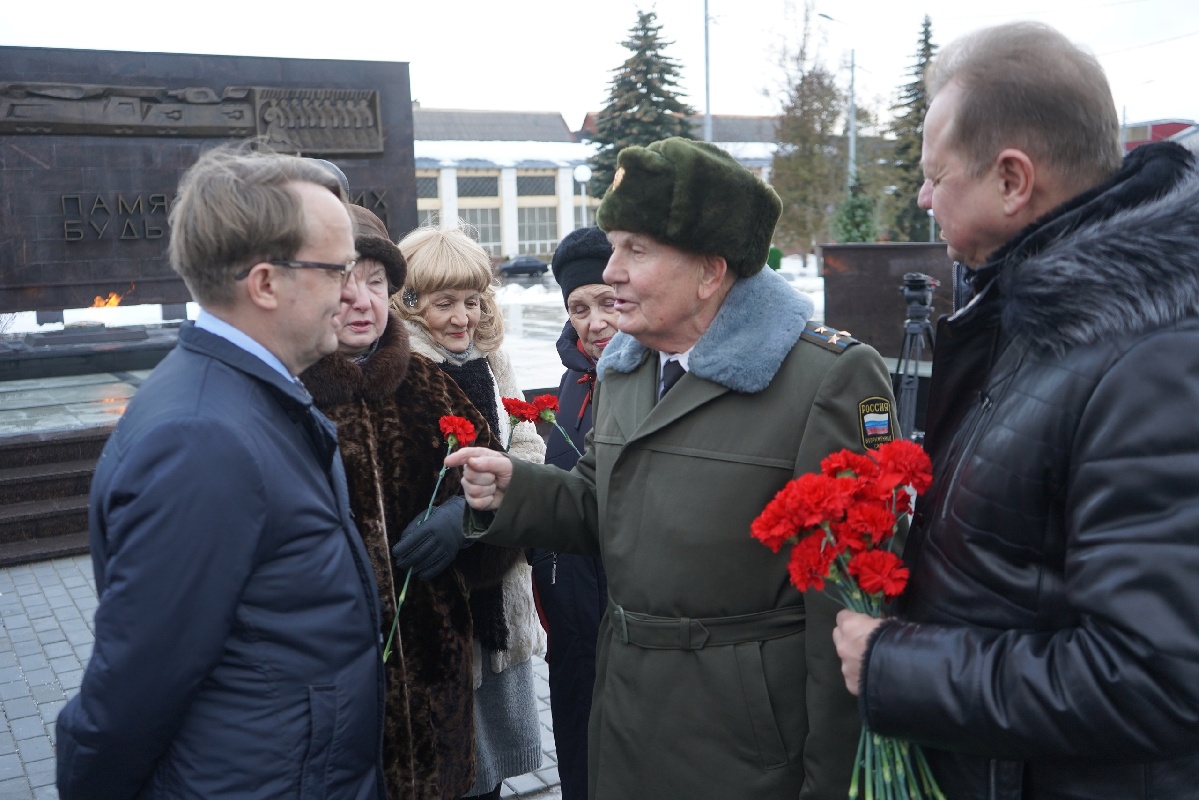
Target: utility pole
853 127
852 172
707 81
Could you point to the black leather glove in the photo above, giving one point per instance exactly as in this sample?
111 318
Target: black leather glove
429 547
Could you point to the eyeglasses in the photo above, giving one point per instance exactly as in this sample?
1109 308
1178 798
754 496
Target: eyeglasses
345 269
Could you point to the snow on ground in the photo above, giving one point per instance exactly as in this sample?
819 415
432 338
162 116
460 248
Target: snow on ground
109 316
533 318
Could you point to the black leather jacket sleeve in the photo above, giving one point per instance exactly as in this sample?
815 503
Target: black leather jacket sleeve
1111 668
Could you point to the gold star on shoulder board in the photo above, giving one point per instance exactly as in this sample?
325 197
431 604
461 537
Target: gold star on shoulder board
820 329
836 337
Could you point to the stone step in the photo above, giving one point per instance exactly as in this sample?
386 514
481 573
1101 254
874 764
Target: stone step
31 550
46 481
49 447
43 519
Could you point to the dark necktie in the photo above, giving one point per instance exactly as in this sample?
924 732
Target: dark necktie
671 372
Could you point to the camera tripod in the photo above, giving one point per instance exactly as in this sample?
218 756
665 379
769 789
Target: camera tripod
917 290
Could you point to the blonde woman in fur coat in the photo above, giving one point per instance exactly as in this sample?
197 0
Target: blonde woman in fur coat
449 307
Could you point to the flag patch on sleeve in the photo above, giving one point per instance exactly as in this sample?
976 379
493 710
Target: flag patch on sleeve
874 421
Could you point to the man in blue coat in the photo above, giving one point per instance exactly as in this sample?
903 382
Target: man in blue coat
571 587
237 650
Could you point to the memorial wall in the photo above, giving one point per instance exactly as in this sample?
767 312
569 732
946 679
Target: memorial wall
862 289
92 144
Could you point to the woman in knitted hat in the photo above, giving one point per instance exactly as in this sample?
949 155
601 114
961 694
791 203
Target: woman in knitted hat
449 308
386 404
572 590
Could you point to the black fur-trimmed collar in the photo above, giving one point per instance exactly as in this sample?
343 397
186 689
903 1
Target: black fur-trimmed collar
1118 260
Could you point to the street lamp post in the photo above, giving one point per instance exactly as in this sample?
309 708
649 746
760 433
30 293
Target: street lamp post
582 174
932 227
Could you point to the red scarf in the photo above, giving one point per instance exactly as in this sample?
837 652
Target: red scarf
588 378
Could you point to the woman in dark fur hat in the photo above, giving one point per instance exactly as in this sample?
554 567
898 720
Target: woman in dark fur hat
386 403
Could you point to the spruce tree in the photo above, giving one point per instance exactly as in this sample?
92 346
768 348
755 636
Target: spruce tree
855 216
909 221
643 104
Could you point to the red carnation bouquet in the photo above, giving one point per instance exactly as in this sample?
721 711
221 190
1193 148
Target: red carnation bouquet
458 432
841 525
543 407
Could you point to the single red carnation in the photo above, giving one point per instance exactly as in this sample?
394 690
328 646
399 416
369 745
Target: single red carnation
848 537
547 407
873 490
874 520
879 571
458 431
811 561
546 401
818 498
836 465
904 463
775 525
519 410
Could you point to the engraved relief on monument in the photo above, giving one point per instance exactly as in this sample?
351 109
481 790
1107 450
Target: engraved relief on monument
312 121
321 120
49 108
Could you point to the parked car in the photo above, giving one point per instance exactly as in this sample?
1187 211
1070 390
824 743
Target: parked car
524 265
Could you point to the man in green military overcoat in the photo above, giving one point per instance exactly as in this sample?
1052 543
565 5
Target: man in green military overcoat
715 677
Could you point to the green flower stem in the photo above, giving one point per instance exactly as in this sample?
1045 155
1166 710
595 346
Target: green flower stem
395 623
857 764
885 767
449 448
877 766
565 435
871 773
926 774
913 787
896 758
512 423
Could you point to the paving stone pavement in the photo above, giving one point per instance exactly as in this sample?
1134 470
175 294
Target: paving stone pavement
45 642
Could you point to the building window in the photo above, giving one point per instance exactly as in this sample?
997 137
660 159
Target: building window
537 230
584 223
478 186
429 218
426 187
487 222
536 186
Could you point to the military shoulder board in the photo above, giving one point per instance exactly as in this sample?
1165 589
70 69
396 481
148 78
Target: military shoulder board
828 338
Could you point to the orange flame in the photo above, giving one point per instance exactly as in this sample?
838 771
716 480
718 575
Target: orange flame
113 298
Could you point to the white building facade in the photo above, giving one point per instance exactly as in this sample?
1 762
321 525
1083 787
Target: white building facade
510 175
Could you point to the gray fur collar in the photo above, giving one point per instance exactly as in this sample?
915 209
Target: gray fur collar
754 330
1112 277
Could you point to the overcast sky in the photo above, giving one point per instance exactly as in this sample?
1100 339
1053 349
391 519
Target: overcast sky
558 55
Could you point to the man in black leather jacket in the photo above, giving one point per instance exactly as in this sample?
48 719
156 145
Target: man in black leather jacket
1048 642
